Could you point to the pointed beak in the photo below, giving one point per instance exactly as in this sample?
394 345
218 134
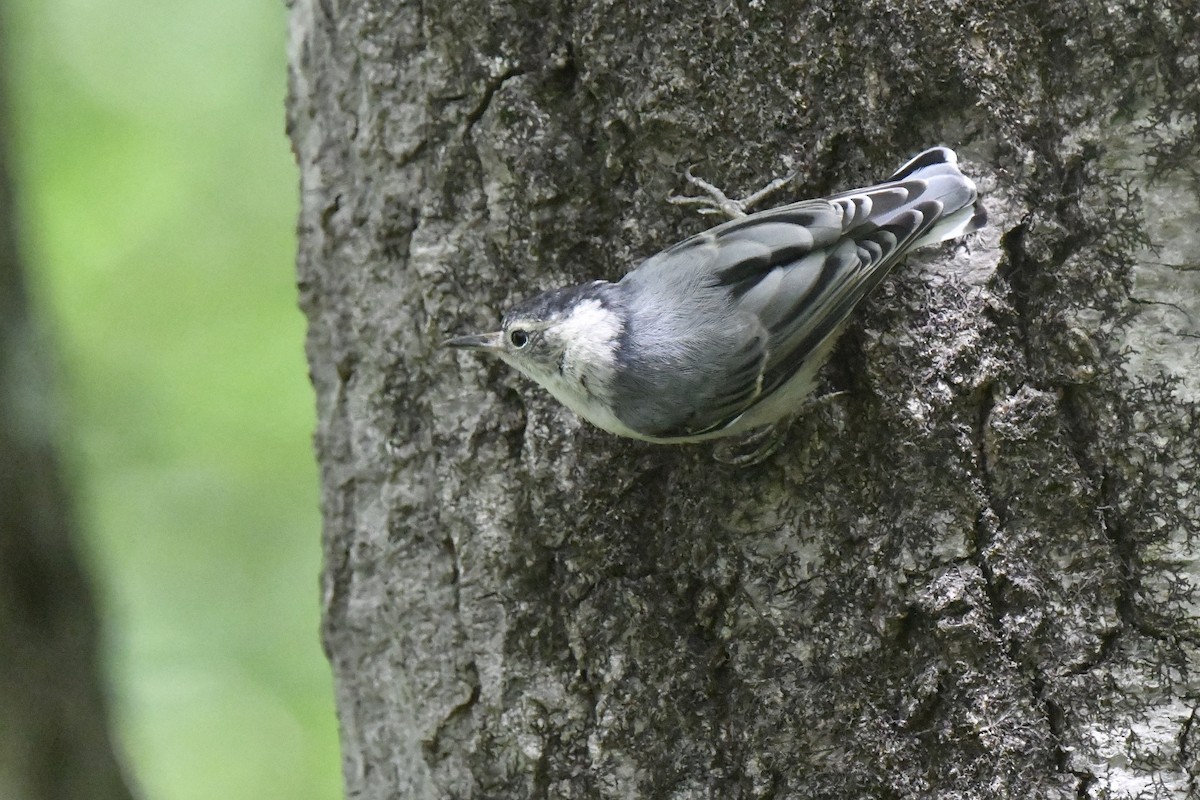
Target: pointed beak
490 342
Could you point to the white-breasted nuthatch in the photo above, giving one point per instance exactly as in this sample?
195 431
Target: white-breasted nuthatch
724 332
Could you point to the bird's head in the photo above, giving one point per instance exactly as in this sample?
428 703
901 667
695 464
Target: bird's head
558 338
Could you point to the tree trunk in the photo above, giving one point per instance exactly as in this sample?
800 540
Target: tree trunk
974 575
54 739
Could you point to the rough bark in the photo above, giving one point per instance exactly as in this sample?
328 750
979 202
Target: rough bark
54 739
974 576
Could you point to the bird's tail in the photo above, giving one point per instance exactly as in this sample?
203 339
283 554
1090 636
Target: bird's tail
963 211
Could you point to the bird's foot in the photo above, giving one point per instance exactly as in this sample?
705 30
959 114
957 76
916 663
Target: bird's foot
753 448
823 400
714 201
760 444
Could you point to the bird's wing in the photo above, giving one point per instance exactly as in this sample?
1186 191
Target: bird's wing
783 281
685 383
803 294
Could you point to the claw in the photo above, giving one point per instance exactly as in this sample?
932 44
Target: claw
715 201
753 448
768 190
760 444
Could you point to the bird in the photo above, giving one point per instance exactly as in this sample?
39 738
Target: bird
723 334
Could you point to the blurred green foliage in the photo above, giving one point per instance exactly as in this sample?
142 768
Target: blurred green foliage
159 202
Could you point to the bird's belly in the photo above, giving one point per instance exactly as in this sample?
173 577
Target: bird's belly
592 408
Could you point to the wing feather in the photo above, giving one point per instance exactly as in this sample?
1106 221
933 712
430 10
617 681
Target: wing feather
789 279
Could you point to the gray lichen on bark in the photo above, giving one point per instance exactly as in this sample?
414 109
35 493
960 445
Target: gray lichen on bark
975 577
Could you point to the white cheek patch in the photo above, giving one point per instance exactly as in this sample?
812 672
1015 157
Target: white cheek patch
593 333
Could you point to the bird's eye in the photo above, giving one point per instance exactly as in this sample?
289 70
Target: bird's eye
518 337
